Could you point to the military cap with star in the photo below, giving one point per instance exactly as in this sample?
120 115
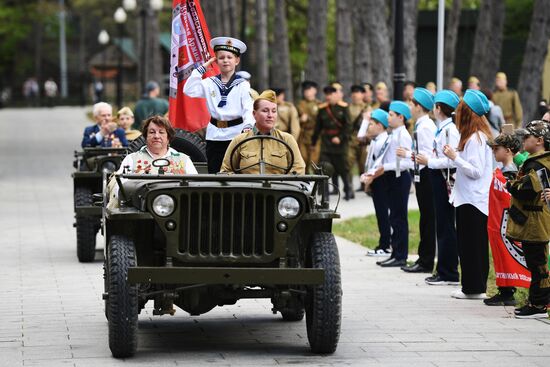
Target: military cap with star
229 44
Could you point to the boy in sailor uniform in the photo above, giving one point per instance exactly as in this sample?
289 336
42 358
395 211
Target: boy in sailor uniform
227 98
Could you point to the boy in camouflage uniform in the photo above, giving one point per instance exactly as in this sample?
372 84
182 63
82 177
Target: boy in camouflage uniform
530 217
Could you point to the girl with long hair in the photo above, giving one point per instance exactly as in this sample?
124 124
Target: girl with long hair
470 194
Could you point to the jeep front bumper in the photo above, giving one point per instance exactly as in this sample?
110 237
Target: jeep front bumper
209 275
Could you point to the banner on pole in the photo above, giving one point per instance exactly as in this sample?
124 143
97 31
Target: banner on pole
190 45
510 267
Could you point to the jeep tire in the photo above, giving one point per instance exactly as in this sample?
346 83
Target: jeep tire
324 301
86 227
122 304
184 142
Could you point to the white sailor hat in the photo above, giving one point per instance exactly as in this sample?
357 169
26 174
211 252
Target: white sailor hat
228 44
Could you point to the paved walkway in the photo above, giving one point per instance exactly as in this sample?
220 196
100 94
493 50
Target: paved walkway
51 312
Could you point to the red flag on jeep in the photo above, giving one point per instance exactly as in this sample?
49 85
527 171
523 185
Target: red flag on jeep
510 267
190 46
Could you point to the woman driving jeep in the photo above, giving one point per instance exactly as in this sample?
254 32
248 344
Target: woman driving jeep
264 149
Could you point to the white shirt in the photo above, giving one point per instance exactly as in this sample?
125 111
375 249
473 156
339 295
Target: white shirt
400 137
363 128
374 157
239 104
438 160
473 174
425 132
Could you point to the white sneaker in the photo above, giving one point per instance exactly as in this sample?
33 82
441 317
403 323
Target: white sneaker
461 295
379 252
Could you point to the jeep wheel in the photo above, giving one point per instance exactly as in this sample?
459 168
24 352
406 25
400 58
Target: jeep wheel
324 301
123 303
184 142
86 227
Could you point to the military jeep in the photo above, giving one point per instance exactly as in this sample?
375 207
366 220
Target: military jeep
93 165
201 241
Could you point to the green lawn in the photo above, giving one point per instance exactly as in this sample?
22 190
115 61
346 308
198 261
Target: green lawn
363 230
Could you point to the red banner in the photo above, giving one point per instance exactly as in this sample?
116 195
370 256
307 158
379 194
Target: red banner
510 267
190 45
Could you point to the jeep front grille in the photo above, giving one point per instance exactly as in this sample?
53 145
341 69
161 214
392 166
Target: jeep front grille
230 224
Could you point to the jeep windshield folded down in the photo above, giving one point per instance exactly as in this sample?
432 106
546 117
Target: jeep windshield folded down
201 241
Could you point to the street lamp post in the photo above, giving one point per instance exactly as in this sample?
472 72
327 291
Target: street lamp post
120 19
145 8
398 69
103 39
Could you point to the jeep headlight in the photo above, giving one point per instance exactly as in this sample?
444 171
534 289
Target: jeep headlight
163 205
289 207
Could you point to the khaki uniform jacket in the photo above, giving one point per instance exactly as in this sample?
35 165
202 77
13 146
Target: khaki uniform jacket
529 215
509 101
310 108
275 153
287 119
328 128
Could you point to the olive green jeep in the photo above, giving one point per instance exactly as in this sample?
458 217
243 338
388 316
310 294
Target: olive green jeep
201 241
93 166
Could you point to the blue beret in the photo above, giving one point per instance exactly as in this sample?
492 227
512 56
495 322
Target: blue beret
381 116
424 97
401 108
476 101
448 97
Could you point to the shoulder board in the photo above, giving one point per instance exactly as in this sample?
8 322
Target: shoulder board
323 105
342 104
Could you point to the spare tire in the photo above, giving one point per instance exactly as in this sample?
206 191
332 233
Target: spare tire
184 142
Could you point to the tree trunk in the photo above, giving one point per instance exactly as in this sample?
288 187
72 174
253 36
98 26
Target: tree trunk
211 14
344 49
280 58
488 41
262 61
316 65
410 9
533 60
451 35
498 12
154 64
362 51
378 34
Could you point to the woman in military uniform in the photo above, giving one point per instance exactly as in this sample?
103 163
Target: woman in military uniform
247 155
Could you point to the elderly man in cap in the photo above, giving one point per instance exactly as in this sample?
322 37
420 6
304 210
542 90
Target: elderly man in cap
276 156
227 97
149 105
508 100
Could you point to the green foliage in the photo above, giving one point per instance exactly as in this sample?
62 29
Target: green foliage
364 230
518 18
433 4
